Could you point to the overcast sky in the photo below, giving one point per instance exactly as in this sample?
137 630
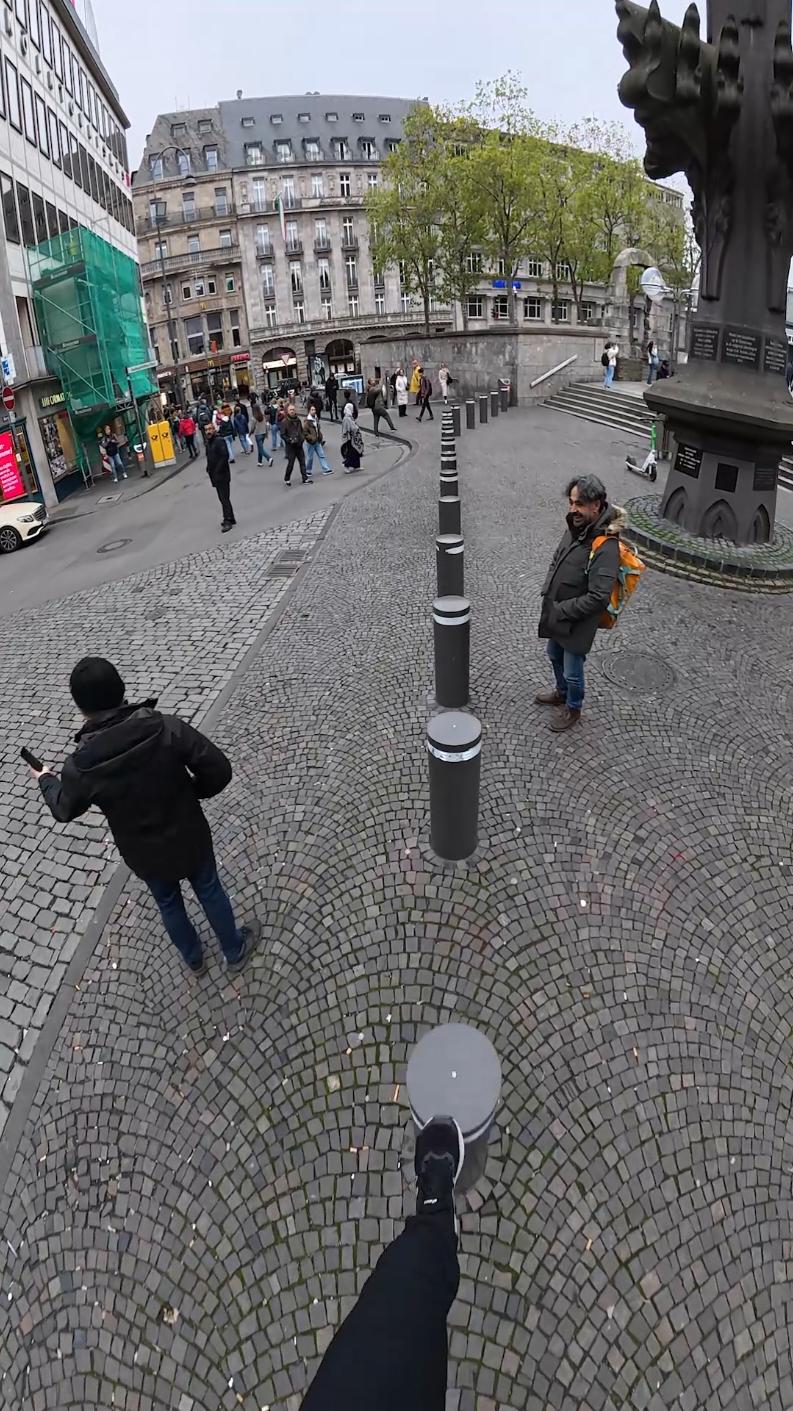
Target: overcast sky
169 54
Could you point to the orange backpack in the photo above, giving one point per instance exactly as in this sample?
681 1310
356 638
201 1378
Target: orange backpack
630 571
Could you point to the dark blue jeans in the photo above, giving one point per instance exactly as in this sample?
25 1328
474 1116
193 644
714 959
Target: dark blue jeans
568 668
216 906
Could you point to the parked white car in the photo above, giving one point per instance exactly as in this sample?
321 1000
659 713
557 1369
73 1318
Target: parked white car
20 521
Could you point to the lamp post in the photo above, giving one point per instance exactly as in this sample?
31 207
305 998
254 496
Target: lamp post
160 214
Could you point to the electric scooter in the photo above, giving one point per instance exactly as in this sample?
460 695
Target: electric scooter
649 469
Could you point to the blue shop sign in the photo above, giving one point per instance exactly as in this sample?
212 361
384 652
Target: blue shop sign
502 284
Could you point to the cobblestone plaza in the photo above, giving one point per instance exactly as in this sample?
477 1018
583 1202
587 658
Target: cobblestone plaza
198 1175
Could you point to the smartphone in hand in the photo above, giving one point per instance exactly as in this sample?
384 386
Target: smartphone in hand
31 760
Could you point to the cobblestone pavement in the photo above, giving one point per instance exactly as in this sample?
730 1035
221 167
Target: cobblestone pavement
176 632
209 1169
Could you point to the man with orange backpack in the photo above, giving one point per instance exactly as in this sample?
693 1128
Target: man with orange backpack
592 574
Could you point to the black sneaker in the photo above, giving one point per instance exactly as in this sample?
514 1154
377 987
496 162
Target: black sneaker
251 935
440 1152
199 969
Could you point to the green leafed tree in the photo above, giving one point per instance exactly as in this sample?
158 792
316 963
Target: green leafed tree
403 209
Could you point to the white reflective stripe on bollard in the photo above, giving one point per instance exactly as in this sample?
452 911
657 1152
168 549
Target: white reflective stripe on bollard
447 758
451 621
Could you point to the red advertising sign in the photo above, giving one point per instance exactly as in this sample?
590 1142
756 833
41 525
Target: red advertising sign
11 486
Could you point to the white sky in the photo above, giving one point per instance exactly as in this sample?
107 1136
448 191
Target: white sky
169 54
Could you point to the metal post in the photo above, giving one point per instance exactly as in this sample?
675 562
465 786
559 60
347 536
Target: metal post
141 434
449 515
455 1069
451 572
454 746
470 416
483 404
494 403
451 619
457 419
448 459
503 393
450 485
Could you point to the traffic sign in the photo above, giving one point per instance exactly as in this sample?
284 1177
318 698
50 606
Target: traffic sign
8 398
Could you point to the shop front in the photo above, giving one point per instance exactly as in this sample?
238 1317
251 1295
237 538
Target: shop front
340 356
60 444
18 477
279 365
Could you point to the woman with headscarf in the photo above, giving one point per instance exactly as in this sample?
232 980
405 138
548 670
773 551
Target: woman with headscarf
351 441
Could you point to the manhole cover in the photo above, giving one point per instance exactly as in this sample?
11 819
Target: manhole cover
112 545
109 499
638 671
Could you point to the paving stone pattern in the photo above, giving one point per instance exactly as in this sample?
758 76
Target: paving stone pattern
210 1169
176 632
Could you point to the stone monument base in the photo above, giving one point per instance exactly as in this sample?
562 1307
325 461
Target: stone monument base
747 568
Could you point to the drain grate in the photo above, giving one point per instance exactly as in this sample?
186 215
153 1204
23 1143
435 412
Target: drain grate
640 672
113 545
109 499
287 563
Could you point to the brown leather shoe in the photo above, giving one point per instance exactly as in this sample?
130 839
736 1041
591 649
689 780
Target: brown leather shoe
565 720
548 698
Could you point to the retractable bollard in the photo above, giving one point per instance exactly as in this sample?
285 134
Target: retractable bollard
457 420
454 1069
449 554
454 746
503 394
483 405
448 458
494 403
451 619
470 416
450 484
450 515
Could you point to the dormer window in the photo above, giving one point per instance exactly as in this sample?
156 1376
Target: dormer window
248 122
359 117
276 118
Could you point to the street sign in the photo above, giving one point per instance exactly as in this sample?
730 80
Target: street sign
8 398
9 368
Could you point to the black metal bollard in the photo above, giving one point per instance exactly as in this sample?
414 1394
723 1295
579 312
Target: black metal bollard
457 419
504 398
454 745
450 515
450 484
449 554
451 619
483 404
470 416
448 458
494 403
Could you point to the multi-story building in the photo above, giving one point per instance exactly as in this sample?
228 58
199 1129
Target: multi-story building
255 251
68 265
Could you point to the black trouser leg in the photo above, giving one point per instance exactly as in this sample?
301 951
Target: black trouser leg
391 1352
223 488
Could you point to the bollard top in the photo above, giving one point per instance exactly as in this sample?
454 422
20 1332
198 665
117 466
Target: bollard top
449 541
455 1069
455 731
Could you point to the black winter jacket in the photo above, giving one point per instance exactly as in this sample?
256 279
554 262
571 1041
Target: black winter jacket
218 465
575 594
146 772
291 429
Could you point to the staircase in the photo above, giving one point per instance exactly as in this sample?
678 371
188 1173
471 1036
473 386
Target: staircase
627 413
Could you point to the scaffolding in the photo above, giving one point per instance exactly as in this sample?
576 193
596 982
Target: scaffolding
87 299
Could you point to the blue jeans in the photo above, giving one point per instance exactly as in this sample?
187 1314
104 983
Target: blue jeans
609 378
117 465
275 436
568 668
229 440
321 457
216 906
261 447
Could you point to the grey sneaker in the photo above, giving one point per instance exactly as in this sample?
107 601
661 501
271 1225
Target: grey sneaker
251 936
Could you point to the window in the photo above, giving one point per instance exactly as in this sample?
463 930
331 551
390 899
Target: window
288 191
35 28
392 145
475 306
317 187
254 154
211 158
259 190
67 68
27 111
160 248
41 124
10 220
341 150
532 308
351 271
321 237
46 36
562 270
275 118
406 302
211 286
368 149
263 245
344 183
12 89
230 284
283 151
178 129
312 150
331 117
221 201
588 311
270 318
535 268
403 273
187 292
353 305
348 231
204 126
304 117
501 307
359 117
57 51
92 179
199 289
299 310
155 167
25 215
296 277
379 303
183 163
194 330
372 180
384 117
55 146
501 268
561 311
327 308
323 269
52 220
189 211
268 281
22 11
66 161
225 239
473 262
234 320
39 218
215 331
168 294
87 178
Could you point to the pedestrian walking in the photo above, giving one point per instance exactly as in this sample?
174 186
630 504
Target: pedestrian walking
203 417
444 378
219 474
401 385
392 389
260 428
224 422
609 358
241 424
425 392
577 591
176 421
652 362
187 430
316 401
293 437
147 773
114 456
351 441
315 443
392 1350
272 417
375 401
332 395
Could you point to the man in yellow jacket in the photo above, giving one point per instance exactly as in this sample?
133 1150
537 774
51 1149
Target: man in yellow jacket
415 379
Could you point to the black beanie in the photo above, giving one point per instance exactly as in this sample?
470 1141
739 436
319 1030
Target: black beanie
96 685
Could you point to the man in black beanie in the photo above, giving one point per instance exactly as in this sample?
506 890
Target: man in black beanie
147 772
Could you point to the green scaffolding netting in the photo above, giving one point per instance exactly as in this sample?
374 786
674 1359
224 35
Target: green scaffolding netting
88 305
